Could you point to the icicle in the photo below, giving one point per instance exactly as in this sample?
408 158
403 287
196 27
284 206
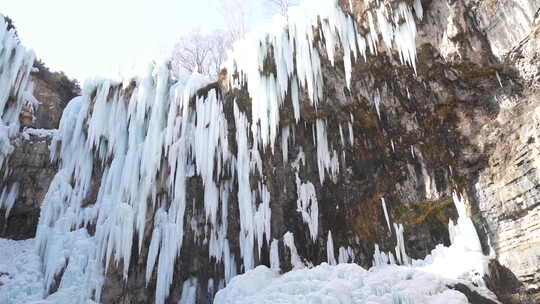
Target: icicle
386 213
244 190
330 249
351 134
401 254
346 255
339 30
263 216
499 78
418 9
341 136
430 185
379 258
284 144
324 160
7 199
288 239
377 101
274 256
210 288
189 292
308 206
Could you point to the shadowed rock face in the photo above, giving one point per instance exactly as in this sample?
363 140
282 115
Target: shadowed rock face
30 168
467 120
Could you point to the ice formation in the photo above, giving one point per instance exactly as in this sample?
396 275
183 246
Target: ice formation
189 292
330 258
297 44
308 206
464 259
346 255
383 203
401 254
274 256
140 140
8 197
288 240
15 93
422 281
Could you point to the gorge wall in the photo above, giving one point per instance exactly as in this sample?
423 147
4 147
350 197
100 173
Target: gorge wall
402 101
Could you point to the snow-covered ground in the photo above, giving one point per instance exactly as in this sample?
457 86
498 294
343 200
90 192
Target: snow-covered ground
21 279
343 284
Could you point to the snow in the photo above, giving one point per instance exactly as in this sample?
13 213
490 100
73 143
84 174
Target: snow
21 279
40 133
343 283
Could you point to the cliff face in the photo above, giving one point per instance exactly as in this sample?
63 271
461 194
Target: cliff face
29 164
498 163
464 119
32 171
506 189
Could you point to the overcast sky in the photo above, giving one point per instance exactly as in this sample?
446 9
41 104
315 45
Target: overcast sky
85 38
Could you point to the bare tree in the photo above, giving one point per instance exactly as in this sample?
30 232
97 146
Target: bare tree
201 53
221 44
236 14
281 5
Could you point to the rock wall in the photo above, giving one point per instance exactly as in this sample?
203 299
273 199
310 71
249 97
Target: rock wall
31 169
507 188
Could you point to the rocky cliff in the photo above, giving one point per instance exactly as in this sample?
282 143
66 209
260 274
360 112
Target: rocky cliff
29 165
456 110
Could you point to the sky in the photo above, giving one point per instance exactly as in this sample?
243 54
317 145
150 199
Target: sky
86 38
